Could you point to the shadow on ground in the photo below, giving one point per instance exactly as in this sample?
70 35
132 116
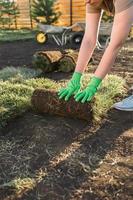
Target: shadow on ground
73 160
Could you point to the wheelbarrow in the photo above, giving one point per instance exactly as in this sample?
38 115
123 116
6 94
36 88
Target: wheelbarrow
70 36
61 34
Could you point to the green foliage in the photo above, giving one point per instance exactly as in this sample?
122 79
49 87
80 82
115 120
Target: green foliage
44 9
8 12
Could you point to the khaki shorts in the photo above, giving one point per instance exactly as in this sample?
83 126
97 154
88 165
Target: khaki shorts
112 6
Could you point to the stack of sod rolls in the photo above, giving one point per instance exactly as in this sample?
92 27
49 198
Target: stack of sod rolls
68 61
49 61
46 60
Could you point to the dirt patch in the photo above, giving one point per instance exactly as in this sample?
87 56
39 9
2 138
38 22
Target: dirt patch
19 53
71 160
54 158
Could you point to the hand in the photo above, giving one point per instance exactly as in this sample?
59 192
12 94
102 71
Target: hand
72 87
88 93
85 95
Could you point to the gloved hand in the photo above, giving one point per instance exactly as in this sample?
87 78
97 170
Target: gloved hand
88 93
72 87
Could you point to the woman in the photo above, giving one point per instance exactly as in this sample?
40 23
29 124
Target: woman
123 19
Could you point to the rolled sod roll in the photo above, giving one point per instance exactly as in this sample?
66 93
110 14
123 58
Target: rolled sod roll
46 60
47 101
68 61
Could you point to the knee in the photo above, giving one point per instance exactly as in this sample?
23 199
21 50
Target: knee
91 41
115 45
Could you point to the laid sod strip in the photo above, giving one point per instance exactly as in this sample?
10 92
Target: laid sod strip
46 60
47 101
18 74
112 89
15 98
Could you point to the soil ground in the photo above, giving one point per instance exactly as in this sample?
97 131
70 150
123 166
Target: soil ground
71 159
19 53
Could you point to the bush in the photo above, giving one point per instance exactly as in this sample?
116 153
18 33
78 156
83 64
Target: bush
8 12
44 9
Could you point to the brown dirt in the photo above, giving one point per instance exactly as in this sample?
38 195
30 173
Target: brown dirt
19 53
75 163
69 159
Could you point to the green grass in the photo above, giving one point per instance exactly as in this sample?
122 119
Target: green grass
18 74
112 87
16 92
12 35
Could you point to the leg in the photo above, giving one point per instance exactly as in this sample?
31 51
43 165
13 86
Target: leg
121 28
120 31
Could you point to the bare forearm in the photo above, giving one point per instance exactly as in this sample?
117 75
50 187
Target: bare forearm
85 53
120 31
106 62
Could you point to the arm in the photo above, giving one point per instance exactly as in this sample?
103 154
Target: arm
89 40
85 53
120 31
121 28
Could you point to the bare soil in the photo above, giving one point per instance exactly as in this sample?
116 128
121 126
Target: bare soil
68 159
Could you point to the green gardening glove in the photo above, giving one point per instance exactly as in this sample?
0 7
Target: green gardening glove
72 87
88 93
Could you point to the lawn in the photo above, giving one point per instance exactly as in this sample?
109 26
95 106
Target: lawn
17 86
13 35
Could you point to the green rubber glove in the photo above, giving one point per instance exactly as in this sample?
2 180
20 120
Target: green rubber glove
72 87
88 93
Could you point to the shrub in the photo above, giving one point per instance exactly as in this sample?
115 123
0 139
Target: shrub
44 9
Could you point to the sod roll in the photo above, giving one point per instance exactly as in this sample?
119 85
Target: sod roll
47 101
67 62
46 60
